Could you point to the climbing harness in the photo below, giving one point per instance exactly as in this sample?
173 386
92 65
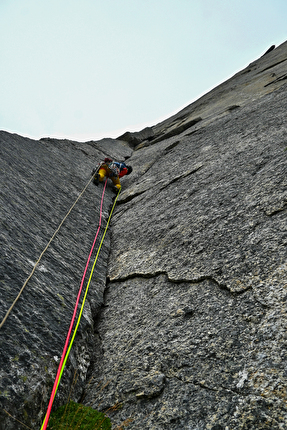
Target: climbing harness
114 169
43 252
66 352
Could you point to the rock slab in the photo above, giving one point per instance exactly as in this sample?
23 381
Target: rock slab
194 335
185 325
40 180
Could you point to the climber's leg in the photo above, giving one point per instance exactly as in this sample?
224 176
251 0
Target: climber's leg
116 182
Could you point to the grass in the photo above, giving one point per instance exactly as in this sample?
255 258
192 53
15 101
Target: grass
75 416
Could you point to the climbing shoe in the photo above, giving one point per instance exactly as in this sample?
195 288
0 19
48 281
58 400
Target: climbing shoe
95 169
115 190
96 179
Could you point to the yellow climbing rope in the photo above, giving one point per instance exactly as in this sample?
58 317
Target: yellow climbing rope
63 362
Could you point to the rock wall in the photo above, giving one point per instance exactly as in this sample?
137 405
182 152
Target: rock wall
186 316
194 334
40 181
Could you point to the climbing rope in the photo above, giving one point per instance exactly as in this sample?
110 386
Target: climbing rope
66 352
43 252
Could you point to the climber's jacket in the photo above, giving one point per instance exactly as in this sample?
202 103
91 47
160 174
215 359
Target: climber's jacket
115 168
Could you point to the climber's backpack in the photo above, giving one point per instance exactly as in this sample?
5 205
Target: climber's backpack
115 168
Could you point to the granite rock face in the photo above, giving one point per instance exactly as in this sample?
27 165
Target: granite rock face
40 180
185 325
194 335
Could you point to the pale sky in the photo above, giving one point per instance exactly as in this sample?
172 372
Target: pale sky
88 69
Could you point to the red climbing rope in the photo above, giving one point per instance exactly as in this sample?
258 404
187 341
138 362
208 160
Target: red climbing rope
59 372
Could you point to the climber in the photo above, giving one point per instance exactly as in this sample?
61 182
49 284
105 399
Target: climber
113 170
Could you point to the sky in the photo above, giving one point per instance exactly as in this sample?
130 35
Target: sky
89 69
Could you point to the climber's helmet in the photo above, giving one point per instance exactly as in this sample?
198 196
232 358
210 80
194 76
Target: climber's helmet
130 169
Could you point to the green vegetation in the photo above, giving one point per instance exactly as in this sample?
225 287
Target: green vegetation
75 416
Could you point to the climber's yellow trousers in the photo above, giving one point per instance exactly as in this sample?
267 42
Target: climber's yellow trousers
103 172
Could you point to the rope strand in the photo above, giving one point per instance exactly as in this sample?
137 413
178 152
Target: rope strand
41 255
65 357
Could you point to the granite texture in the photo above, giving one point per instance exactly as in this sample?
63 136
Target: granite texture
194 332
40 180
185 324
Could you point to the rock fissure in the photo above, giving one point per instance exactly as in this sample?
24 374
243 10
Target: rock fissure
196 261
227 390
170 279
182 176
178 129
271 66
275 211
173 280
129 198
280 78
